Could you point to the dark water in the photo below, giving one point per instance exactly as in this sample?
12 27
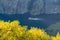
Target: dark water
48 19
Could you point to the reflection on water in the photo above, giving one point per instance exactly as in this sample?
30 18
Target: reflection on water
31 18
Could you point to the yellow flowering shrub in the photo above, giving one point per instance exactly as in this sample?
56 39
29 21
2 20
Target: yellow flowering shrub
11 30
37 34
57 37
14 31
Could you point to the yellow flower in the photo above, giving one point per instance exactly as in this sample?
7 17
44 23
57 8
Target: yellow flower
11 30
37 34
14 23
14 31
57 37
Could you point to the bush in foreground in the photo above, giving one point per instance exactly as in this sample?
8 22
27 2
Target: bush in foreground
14 31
